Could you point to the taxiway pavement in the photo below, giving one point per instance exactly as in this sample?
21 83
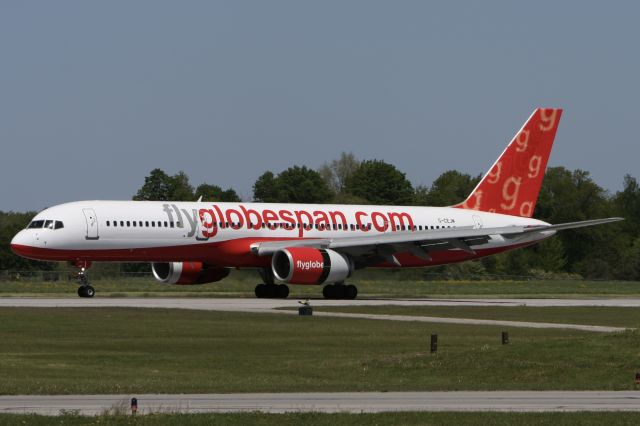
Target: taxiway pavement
352 402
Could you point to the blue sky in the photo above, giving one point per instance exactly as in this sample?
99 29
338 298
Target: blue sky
94 95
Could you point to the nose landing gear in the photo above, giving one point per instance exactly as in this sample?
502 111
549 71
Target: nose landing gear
84 289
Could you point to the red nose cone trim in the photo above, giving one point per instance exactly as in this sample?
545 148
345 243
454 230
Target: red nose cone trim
18 249
32 252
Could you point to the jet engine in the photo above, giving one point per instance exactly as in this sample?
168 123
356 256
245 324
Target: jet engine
308 265
187 273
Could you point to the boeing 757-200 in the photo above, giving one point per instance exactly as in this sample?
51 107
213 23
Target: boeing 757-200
305 244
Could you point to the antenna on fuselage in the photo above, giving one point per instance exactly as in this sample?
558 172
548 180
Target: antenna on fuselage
199 199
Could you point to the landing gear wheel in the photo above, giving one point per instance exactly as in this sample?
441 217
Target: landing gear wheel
89 291
327 291
282 291
340 291
86 291
350 292
261 291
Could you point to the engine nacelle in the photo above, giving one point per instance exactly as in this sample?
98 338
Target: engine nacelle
187 273
308 265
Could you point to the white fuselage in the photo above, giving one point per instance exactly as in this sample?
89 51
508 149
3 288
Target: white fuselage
221 234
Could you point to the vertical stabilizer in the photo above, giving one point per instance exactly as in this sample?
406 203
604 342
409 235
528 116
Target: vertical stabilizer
512 184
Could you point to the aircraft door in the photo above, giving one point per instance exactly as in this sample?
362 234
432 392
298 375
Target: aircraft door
92 224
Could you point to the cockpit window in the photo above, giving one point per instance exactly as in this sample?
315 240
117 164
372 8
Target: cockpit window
36 224
47 224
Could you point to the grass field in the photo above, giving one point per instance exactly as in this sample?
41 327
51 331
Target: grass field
67 351
618 317
316 419
370 283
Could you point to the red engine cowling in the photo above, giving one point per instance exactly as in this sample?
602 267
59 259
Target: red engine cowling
308 265
187 273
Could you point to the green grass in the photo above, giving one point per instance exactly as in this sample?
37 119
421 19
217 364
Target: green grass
77 351
370 283
318 419
618 317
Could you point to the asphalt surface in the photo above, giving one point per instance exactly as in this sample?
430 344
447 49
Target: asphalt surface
352 402
274 306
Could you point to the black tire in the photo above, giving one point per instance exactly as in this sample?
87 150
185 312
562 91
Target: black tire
327 291
81 291
271 291
89 291
350 292
261 291
339 291
282 291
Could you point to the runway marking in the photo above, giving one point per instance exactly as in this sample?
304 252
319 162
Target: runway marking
469 321
330 402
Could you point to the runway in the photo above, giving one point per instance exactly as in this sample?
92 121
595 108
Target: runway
352 402
274 306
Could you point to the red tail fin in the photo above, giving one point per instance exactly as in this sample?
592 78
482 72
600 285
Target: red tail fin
512 184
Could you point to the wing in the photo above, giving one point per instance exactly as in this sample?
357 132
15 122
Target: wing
382 247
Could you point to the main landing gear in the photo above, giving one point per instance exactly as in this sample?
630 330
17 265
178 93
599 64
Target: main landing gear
340 291
84 289
272 291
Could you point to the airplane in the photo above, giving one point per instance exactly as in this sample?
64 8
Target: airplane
199 242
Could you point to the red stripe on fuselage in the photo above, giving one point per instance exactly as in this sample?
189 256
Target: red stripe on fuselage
231 253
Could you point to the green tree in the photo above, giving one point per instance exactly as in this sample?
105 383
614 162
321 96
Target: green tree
568 196
549 255
627 205
293 185
179 187
157 187
265 188
450 188
210 192
380 183
337 172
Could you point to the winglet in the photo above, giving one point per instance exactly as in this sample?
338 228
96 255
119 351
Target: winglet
512 184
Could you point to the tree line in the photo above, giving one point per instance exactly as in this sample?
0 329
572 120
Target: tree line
606 252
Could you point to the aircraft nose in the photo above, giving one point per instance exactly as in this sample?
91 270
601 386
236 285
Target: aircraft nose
19 244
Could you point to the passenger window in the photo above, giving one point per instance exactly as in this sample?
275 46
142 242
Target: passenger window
171 224
107 223
134 223
128 224
146 223
59 225
122 223
115 223
153 223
